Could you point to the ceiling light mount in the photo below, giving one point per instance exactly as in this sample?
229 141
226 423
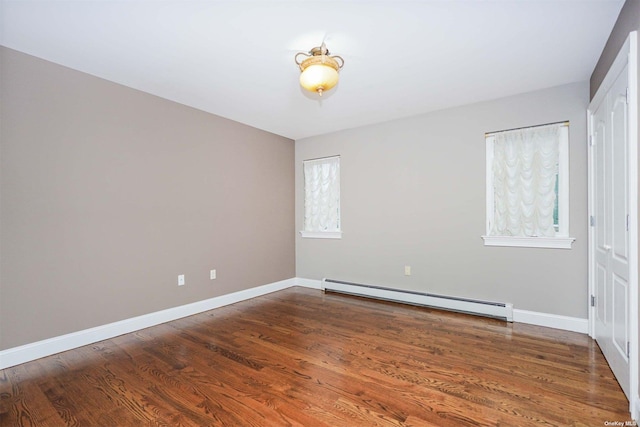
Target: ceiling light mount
319 70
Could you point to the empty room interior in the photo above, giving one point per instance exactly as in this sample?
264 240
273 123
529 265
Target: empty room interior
314 213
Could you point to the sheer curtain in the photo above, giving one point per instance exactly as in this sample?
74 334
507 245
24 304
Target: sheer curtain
322 194
525 169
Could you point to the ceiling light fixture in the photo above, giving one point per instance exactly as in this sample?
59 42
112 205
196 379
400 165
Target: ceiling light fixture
319 70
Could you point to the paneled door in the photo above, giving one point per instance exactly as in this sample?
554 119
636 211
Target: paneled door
610 207
610 237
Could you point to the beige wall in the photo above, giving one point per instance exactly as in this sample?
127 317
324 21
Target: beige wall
107 194
413 193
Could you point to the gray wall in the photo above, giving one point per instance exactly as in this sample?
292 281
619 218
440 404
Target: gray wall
413 193
628 20
107 194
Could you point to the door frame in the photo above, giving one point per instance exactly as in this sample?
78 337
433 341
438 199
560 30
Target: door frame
628 55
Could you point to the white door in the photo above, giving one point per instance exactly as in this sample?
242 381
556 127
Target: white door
610 237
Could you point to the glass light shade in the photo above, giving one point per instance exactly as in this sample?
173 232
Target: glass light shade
319 78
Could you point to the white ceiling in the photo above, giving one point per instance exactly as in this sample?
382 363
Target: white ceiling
235 58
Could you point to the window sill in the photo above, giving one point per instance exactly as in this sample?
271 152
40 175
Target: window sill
529 242
321 234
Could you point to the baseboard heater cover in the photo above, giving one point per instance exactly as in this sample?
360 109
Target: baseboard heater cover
498 310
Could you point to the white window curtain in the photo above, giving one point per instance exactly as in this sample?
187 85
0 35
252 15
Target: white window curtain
322 195
525 169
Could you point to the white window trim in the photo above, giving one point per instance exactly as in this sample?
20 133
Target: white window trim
321 234
562 239
529 242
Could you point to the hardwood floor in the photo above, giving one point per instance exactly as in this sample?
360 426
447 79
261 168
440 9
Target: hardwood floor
303 358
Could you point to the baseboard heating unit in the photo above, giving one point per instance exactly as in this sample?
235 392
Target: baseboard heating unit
498 310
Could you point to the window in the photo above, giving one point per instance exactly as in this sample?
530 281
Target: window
322 198
528 187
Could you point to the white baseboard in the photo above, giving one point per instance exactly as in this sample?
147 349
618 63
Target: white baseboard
308 283
574 324
25 353
634 407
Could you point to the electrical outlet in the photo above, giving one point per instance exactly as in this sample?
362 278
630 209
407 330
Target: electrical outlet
407 270
212 274
181 280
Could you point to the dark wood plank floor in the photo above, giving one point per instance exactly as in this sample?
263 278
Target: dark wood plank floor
302 358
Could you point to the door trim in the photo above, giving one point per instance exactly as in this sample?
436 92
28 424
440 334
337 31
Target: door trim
628 55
